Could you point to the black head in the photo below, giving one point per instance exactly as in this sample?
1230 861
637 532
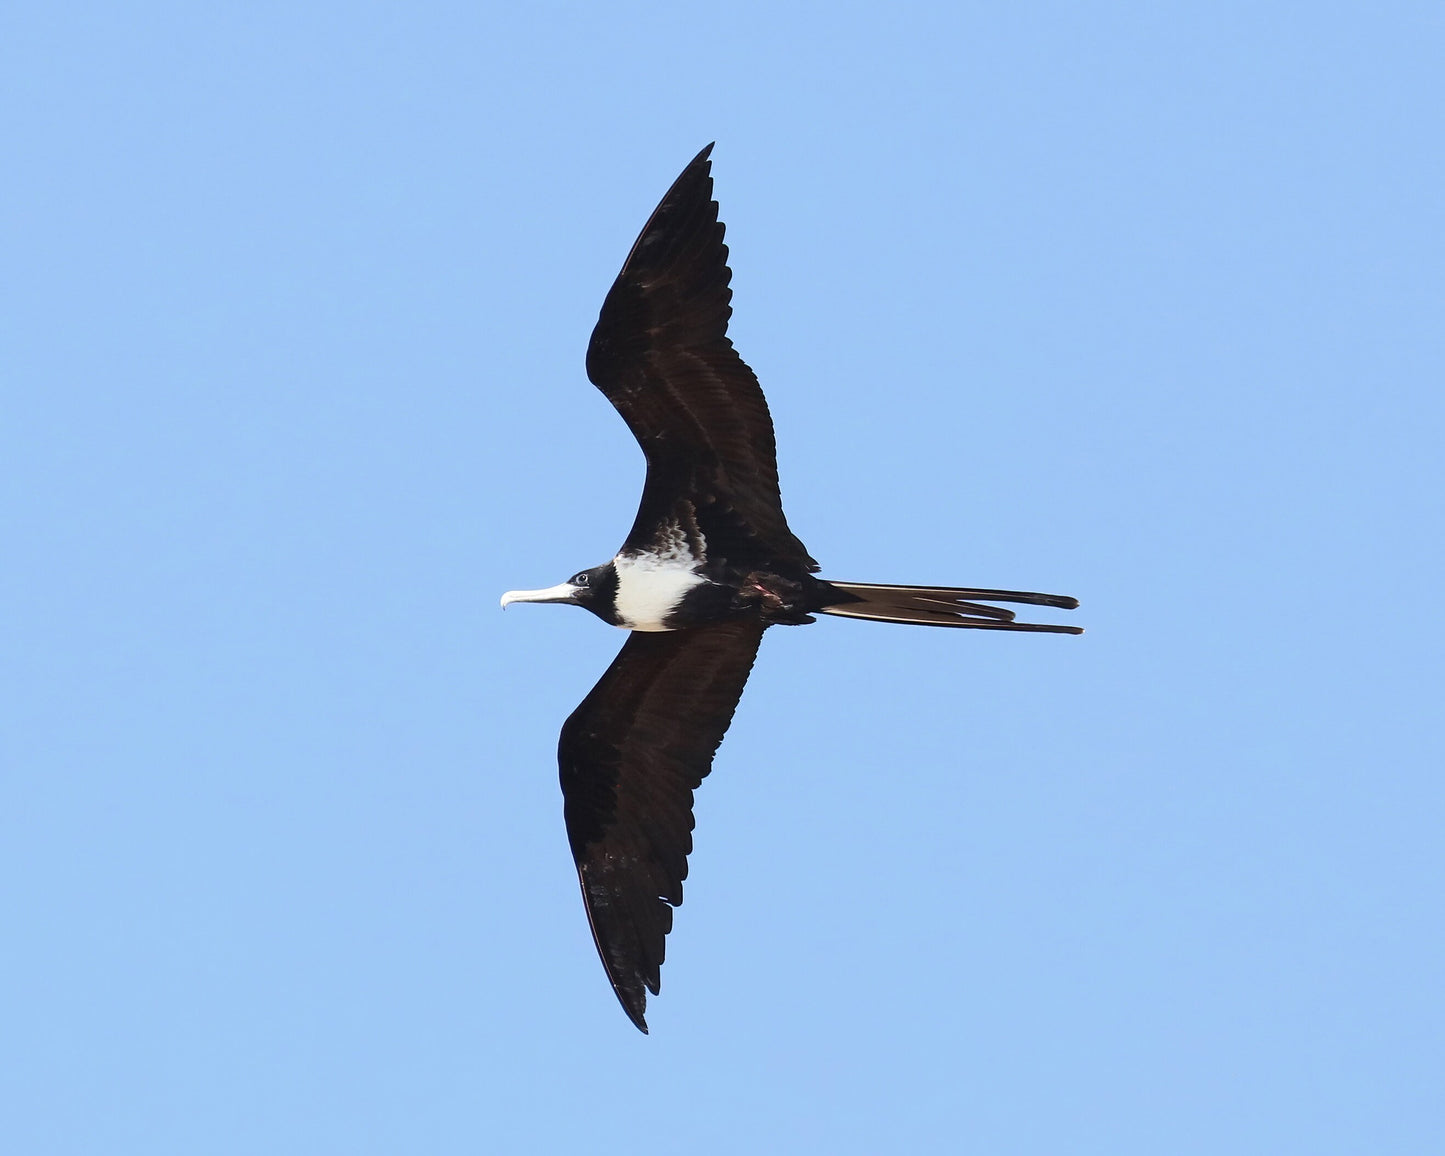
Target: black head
594 590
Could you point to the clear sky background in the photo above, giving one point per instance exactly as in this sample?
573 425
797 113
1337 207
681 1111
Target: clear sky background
1137 302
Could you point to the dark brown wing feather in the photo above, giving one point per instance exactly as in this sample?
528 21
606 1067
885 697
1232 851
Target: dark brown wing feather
631 756
661 354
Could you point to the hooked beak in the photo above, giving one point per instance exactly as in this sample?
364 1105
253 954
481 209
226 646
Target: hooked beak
562 592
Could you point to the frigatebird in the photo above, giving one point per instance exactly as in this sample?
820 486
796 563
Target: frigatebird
707 567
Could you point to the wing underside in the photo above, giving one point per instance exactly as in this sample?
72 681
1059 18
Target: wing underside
661 354
631 756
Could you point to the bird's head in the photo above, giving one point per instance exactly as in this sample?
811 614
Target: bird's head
594 590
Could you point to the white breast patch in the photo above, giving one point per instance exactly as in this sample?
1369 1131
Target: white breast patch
649 586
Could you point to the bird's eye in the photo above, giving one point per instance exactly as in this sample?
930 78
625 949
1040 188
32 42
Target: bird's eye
580 579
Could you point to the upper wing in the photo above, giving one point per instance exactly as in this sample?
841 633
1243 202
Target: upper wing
631 755
661 354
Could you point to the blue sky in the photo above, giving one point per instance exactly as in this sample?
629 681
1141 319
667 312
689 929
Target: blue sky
1139 303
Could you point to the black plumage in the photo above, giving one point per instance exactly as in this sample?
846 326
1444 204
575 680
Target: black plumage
709 564
631 756
661 354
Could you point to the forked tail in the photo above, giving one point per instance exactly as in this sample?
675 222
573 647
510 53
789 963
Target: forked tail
943 606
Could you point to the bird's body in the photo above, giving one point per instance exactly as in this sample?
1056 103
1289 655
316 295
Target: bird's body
709 565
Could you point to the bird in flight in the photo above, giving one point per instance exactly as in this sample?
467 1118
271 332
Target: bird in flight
707 567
